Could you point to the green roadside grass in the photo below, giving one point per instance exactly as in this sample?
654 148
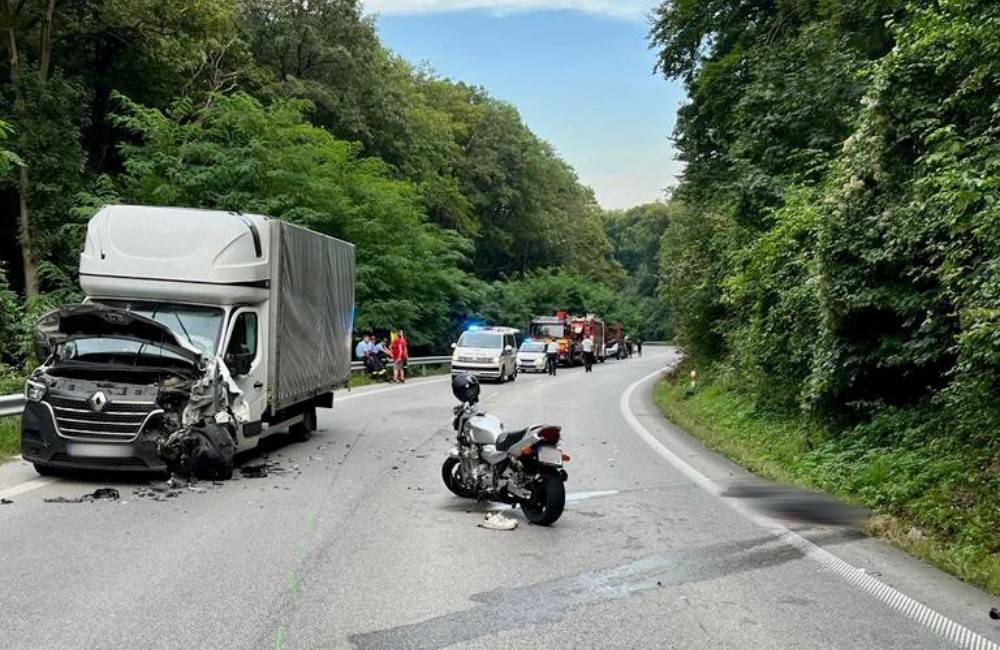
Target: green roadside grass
934 500
10 437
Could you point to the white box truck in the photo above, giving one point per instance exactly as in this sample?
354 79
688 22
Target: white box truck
202 332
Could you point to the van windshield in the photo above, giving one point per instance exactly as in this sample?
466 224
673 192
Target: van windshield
480 340
199 326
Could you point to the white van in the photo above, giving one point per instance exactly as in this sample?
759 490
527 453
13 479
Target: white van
487 353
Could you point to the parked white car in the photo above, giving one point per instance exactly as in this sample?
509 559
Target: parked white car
531 356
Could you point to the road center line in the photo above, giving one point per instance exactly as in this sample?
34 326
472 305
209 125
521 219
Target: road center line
938 623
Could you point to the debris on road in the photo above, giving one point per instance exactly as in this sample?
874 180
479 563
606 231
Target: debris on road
171 489
496 521
261 469
995 613
100 494
5 502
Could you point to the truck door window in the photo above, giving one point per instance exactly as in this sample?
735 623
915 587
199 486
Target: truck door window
244 337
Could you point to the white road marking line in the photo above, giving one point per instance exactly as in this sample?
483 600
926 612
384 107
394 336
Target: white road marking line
27 486
938 623
389 389
573 497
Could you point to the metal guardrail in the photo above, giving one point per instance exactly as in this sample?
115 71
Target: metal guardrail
415 361
11 405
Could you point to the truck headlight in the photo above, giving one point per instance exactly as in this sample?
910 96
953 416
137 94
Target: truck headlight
454 356
35 391
496 360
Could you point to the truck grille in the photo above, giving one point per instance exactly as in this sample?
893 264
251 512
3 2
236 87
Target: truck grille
119 421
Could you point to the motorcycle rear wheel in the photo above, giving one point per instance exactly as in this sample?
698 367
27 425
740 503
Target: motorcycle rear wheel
449 474
549 499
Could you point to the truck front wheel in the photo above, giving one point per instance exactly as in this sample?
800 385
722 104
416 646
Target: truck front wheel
44 470
302 431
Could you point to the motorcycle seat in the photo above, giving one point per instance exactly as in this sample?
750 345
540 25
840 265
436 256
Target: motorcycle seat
508 439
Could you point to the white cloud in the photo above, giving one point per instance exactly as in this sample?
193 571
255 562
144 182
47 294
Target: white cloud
627 9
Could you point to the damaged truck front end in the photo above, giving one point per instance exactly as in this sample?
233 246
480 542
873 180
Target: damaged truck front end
122 391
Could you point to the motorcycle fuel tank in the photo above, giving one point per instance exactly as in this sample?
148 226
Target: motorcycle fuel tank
485 429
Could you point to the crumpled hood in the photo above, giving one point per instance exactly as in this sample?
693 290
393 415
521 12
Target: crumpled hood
86 320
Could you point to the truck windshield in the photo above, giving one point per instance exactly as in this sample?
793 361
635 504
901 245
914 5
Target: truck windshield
199 326
118 350
554 330
479 340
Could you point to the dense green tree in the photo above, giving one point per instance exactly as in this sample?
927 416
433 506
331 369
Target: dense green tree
636 235
290 108
837 244
233 153
63 61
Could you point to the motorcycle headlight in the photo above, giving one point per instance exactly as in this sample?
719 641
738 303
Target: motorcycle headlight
35 391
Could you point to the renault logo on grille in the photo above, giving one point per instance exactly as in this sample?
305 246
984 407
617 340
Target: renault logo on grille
98 401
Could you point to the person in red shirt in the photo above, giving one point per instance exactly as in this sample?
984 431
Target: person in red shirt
400 355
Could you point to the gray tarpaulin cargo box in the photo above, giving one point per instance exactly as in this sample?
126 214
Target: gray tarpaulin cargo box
312 314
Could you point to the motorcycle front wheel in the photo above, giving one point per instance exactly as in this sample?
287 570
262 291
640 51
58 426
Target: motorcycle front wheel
547 502
449 474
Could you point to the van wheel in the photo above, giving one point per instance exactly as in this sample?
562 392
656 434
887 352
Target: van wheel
302 431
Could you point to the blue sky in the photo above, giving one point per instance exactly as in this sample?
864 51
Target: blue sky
578 70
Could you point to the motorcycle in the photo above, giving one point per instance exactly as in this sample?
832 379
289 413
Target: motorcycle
522 468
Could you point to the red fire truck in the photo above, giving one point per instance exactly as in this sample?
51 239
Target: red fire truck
569 332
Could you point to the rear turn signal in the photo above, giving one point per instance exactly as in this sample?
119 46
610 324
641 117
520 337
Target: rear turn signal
527 450
566 458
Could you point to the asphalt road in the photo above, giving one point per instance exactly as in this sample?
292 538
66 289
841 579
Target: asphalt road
358 544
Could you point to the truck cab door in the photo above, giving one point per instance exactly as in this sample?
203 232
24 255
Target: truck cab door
244 355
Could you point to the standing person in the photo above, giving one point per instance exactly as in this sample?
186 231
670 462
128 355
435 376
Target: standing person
551 356
400 355
588 353
638 347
